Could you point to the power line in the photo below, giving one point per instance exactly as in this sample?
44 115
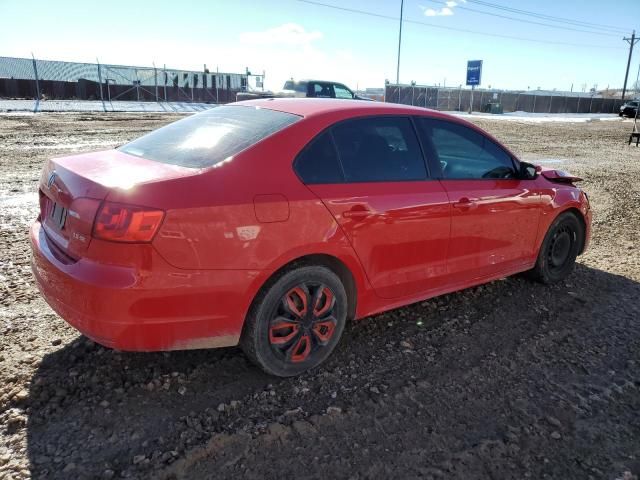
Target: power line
552 18
528 21
454 29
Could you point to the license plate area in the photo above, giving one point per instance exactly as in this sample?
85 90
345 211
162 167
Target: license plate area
58 215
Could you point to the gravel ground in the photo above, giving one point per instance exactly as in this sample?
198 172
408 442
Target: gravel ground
508 380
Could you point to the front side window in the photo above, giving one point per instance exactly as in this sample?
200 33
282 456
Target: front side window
465 153
210 137
379 149
342 91
321 90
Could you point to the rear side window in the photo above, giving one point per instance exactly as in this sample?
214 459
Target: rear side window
295 86
466 154
379 149
208 138
318 162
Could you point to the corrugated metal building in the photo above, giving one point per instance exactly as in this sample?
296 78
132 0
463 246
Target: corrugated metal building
72 80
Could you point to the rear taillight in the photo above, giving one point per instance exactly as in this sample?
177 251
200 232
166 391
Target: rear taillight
127 223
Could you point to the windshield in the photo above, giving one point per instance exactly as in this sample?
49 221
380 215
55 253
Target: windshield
210 137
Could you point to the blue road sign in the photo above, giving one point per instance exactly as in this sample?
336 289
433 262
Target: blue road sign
474 72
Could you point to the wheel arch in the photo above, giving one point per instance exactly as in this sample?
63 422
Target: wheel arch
583 222
333 263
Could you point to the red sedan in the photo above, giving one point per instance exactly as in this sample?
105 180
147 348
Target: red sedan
269 223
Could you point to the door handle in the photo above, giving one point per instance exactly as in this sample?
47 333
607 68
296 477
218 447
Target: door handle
466 203
357 213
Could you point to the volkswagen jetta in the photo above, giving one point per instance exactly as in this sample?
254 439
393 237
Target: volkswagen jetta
270 223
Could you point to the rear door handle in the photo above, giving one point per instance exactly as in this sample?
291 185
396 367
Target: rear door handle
357 213
466 203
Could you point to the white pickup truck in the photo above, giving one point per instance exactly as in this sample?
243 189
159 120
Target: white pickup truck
306 88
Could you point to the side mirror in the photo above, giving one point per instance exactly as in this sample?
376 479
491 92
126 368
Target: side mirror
528 171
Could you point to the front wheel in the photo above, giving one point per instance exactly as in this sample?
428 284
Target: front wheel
296 322
559 250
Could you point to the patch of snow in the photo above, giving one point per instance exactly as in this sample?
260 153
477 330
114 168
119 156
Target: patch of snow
543 117
28 106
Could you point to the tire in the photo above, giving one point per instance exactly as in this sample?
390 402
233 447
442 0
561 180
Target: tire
559 250
296 321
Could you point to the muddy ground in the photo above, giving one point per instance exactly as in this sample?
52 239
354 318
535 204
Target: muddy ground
507 380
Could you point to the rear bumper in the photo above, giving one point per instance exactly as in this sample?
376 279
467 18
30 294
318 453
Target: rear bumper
158 307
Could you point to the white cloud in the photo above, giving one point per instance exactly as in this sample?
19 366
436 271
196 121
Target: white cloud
444 11
286 34
291 50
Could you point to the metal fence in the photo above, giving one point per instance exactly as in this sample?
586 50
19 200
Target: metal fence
460 99
24 78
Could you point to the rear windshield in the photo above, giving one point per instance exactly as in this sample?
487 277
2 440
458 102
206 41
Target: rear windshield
209 137
295 86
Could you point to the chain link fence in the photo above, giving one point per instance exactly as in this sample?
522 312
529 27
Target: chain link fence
460 99
23 78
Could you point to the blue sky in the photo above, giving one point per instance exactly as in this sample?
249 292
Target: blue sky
289 38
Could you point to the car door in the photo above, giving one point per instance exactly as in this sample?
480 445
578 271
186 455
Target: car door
371 174
494 215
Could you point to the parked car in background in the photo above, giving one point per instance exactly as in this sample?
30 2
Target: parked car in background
306 89
269 223
629 108
317 89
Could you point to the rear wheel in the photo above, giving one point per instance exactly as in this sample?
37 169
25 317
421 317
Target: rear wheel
559 250
295 324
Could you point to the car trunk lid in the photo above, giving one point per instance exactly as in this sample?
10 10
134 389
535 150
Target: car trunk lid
72 189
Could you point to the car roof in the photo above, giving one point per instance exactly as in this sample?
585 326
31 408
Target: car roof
319 80
307 107
317 107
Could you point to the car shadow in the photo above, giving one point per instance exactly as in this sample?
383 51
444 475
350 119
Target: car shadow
93 411
86 397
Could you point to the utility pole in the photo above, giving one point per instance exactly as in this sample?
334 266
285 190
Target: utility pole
399 43
632 41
